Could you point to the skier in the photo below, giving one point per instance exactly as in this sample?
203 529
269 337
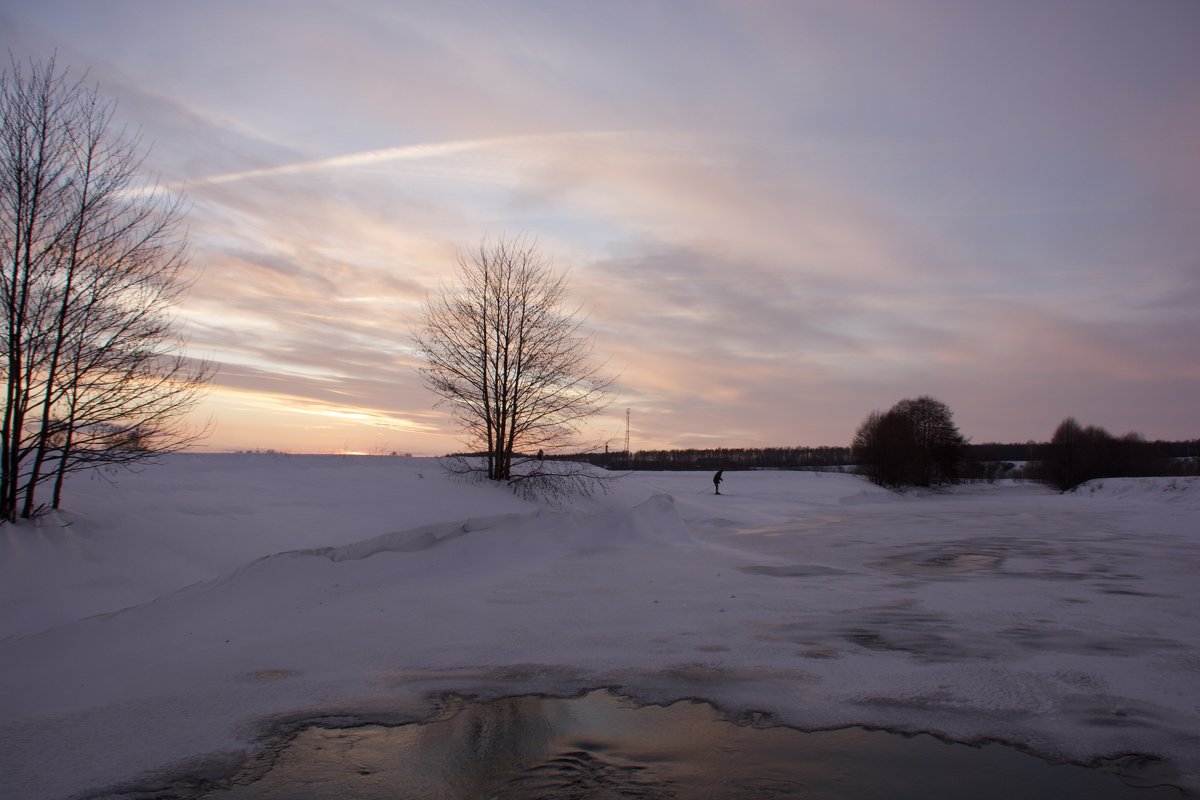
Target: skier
717 482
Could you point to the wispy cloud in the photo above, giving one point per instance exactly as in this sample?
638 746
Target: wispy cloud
778 216
413 152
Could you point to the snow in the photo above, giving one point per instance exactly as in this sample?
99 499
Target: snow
177 615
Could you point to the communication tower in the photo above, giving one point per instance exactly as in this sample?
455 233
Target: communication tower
627 453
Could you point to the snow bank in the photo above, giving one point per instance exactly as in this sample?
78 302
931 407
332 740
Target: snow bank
1184 491
129 538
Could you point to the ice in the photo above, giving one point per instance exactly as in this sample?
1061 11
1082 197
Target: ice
189 609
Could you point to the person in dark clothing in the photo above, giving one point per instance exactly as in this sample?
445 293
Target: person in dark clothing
717 481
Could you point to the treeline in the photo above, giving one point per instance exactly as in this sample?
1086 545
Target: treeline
1076 454
916 443
981 461
731 458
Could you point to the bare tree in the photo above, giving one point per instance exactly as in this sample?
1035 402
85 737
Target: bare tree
512 365
915 443
93 264
1076 454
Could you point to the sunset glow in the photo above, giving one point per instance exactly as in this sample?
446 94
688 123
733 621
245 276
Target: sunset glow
776 216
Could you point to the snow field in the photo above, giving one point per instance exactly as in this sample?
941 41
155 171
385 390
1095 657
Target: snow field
186 610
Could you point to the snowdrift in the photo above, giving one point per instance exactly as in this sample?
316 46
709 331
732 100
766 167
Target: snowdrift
1183 491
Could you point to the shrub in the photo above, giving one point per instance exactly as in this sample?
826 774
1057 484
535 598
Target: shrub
915 443
1077 454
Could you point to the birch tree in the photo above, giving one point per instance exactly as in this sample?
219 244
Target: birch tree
511 363
93 261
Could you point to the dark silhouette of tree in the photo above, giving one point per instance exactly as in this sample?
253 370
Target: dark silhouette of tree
513 366
1072 454
92 263
883 448
1077 454
915 443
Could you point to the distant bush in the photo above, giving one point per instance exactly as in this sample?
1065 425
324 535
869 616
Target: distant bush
1077 454
915 443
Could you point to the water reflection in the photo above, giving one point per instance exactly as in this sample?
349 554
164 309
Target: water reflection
600 746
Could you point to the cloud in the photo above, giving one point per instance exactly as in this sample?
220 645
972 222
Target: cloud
414 152
777 217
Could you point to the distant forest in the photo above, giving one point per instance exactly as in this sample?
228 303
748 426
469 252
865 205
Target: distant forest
834 458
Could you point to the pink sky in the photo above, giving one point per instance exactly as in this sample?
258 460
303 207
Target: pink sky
778 216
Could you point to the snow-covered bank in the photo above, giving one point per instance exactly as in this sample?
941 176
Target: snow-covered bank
232 591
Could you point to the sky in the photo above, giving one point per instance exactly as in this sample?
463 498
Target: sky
775 216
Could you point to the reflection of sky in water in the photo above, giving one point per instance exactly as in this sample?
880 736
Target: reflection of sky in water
601 746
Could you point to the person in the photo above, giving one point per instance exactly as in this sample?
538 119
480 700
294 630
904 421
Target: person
541 455
717 482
